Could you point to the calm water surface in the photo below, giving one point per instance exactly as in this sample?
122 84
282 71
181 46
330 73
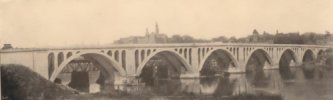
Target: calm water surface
300 86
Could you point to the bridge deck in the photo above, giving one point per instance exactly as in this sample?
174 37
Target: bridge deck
163 46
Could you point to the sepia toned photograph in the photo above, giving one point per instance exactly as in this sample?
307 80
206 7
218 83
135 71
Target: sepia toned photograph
166 49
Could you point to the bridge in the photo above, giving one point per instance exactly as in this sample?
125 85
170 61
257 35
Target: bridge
125 61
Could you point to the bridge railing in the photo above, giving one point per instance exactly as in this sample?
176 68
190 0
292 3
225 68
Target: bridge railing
166 46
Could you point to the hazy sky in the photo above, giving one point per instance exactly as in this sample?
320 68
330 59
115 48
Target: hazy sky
40 23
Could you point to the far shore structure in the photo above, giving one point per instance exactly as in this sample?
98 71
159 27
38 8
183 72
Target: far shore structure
156 37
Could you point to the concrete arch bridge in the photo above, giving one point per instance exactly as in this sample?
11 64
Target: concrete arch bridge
188 59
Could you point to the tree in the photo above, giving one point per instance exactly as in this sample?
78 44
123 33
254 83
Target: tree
233 39
188 39
309 38
242 40
176 39
220 39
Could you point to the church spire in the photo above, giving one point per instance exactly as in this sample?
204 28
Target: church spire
156 27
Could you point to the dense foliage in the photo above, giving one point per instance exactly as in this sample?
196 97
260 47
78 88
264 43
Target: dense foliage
256 37
21 83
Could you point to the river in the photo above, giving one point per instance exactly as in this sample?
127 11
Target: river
270 83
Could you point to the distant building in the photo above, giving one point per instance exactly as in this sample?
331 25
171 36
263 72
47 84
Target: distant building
149 38
254 38
7 46
258 38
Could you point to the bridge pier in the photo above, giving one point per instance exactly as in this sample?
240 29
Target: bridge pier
190 75
274 66
195 60
235 70
120 80
130 63
241 67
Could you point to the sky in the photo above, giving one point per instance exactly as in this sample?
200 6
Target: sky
61 23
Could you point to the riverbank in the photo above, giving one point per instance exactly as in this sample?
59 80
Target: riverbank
20 83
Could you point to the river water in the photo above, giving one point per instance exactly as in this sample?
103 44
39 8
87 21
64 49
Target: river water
301 86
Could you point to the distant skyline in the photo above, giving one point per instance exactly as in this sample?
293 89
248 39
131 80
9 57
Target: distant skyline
61 23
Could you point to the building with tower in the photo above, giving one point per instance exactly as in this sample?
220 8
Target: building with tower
149 38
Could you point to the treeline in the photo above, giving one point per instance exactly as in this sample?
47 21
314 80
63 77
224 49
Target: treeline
256 37
185 39
305 38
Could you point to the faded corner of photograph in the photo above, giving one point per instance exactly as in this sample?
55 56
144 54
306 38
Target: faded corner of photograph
166 50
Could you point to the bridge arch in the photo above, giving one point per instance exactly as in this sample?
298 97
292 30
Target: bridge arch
262 51
255 63
220 52
170 53
109 64
285 59
308 56
320 51
293 54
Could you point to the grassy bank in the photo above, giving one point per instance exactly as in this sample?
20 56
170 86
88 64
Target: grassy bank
20 83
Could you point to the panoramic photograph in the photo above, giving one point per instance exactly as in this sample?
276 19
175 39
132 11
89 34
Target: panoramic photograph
166 49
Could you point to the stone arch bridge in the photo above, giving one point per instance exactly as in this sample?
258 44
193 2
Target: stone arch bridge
129 60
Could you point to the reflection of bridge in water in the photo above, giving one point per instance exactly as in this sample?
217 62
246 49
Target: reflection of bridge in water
121 63
235 84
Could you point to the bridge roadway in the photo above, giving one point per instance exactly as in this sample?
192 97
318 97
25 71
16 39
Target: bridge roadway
129 60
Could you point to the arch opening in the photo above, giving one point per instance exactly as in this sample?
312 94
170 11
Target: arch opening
69 54
162 65
148 52
254 68
116 55
123 59
218 62
142 55
308 56
51 66
109 53
87 73
60 58
286 64
136 59
309 64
